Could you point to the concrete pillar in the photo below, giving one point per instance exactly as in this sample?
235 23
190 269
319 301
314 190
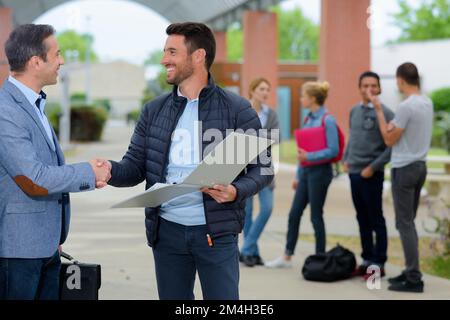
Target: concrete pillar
221 46
5 30
260 51
344 53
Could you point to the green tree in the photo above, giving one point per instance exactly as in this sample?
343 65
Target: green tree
298 37
70 41
235 41
159 84
154 58
441 99
430 20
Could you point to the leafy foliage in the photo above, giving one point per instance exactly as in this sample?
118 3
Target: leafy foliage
298 37
431 20
71 41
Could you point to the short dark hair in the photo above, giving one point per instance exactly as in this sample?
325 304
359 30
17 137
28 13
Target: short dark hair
25 42
197 36
369 74
409 72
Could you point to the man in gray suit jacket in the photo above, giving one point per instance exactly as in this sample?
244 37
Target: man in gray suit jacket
34 181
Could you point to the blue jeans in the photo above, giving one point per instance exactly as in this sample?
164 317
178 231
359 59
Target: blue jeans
30 279
253 229
367 195
312 189
181 251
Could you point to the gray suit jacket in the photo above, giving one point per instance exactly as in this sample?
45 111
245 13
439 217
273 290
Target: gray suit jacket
273 123
34 182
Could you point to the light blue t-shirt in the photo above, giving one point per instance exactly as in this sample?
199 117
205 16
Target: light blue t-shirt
415 117
184 157
263 115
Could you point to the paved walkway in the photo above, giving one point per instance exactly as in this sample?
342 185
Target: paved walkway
115 238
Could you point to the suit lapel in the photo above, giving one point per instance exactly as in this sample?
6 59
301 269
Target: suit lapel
25 104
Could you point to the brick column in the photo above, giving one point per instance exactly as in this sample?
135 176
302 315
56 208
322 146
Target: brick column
344 53
5 30
260 51
221 46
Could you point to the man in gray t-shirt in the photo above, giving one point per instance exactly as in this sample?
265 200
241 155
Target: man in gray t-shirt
409 134
415 117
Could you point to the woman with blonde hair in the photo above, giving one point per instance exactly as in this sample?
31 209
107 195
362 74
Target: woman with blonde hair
314 173
259 92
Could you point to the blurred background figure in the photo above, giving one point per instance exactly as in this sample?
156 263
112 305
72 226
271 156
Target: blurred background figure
313 179
259 92
364 159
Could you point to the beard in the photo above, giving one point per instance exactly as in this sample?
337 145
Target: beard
185 72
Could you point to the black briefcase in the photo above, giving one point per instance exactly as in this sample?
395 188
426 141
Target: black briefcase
79 281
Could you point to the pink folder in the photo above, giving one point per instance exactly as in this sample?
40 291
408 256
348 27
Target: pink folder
311 140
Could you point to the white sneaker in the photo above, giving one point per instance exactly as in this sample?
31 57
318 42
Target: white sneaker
279 262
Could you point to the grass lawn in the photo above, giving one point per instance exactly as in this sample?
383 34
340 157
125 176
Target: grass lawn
430 263
287 151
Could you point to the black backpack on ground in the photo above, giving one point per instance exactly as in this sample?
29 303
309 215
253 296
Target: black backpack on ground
336 264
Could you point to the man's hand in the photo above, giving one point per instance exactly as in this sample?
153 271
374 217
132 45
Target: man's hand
345 167
390 127
375 101
102 170
367 172
302 155
295 184
221 193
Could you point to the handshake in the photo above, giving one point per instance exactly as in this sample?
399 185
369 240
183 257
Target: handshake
102 170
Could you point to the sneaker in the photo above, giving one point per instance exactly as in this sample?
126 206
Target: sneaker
258 260
249 261
279 262
407 286
397 279
360 271
368 275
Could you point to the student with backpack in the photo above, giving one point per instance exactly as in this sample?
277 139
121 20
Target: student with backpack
314 172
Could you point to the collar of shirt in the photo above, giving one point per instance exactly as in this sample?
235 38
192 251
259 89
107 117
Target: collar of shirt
181 95
319 113
264 110
29 93
369 105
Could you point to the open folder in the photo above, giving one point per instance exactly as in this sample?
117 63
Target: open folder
221 166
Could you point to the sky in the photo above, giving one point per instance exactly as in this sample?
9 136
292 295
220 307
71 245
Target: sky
129 31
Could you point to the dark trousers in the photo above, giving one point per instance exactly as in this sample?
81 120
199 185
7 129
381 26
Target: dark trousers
367 195
312 189
406 185
30 279
181 251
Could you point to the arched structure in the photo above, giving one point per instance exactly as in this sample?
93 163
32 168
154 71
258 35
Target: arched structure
345 38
